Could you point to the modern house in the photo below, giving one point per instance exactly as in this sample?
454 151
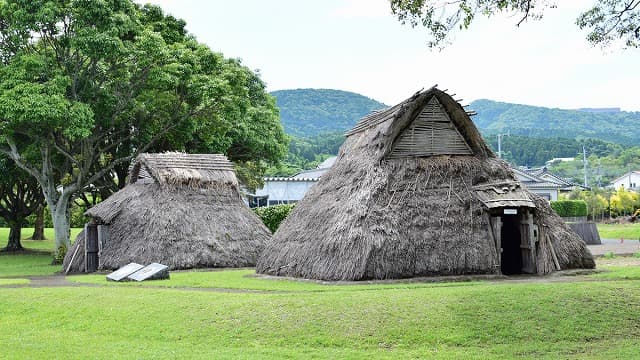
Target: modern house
630 181
545 183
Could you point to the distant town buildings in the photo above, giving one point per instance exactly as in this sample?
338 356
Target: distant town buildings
629 181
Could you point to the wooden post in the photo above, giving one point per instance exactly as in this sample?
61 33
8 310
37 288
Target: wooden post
553 253
498 234
532 242
493 239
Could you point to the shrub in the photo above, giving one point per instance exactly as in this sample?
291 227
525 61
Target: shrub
570 208
272 216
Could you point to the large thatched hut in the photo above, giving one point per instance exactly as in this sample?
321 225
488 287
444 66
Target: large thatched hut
415 191
181 210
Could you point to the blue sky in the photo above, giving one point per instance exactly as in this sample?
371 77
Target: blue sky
357 45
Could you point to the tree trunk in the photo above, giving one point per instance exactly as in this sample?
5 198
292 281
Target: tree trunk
38 227
15 230
60 217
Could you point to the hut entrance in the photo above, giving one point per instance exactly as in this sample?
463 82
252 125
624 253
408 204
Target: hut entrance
510 235
516 241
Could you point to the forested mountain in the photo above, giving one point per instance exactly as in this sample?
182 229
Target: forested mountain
309 112
619 127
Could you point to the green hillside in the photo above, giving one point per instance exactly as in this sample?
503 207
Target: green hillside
618 127
309 112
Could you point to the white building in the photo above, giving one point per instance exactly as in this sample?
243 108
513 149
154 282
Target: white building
289 190
630 181
547 189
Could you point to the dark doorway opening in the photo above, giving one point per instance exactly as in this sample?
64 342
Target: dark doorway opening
511 262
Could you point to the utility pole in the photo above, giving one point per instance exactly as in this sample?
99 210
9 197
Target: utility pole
584 161
500 144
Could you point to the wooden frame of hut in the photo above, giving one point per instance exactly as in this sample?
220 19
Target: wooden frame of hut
181 210
415 191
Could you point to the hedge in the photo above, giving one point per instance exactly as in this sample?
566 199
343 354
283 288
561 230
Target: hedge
272 216
570 208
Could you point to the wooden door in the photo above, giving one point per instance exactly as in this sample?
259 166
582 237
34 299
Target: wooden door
527 245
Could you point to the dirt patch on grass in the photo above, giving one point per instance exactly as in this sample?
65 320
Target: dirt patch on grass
618 261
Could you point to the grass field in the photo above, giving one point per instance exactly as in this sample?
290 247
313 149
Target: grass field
36 262
233 314
617 231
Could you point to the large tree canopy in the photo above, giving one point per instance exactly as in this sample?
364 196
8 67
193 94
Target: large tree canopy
88 84
607 21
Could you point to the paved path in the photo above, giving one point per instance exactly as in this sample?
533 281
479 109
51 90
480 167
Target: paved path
626 247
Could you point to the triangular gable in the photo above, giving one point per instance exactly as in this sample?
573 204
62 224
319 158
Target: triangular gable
525 177
430 133
555 179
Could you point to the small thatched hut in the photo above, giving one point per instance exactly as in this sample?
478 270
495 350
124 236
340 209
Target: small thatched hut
181 210
415 191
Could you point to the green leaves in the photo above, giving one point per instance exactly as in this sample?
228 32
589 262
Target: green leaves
609 21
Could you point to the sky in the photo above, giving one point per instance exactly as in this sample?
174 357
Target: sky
359 46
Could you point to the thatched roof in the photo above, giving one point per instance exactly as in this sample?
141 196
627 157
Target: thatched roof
185 217
380 213
195 170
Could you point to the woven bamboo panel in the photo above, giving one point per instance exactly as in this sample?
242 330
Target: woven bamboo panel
431 133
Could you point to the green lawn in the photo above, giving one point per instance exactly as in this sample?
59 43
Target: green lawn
13 281
37 262
189 316
580 320
27 265
616 231
235 314
246 279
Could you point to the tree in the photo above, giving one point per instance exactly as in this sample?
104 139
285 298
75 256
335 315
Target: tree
38 224
91 84
607 20
20 196
624 202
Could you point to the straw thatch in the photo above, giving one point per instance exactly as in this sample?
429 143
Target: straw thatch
180 210
377 215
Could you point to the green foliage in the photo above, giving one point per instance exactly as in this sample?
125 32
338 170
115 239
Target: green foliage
619 127
608 20
536 151
272 216
306 153
570 208
624 202
77 218
609 255
596 199
311 112
601 169
59 254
